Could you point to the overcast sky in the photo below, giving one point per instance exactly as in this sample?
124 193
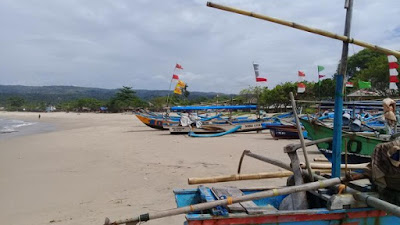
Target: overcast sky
110 43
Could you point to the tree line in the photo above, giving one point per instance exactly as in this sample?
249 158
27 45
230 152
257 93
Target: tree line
366 65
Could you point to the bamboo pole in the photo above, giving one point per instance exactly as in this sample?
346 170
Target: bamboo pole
320 159
300 132
329 166
236 177
228 201
305 28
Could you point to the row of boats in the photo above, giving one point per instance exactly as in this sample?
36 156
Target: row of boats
346 197
364 130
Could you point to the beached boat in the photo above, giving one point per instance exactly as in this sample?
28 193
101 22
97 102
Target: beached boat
359 146
154 122
266 211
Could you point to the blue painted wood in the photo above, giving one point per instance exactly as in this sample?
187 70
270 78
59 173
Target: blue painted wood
207 196
337 127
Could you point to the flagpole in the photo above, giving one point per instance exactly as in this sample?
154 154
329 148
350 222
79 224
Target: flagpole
319 84
170 83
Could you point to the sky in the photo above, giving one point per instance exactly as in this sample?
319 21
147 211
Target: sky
115 43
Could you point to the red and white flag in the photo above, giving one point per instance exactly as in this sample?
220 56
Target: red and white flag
349 84
301 87
393 65
175 77
257 73
178 66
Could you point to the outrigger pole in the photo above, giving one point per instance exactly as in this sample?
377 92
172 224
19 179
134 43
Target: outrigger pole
306 28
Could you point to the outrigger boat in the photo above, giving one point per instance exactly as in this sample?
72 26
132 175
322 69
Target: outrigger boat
359 145
320 201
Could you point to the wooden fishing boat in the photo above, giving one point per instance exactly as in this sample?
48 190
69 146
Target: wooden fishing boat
283 131
156 123
266 211
359 146
216 128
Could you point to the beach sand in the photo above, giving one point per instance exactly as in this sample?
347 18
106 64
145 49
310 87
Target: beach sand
111 165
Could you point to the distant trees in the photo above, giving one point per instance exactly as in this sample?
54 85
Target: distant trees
15 103
125 99
368 65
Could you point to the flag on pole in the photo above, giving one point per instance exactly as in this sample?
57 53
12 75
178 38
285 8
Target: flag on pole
178 91
320 68
175 77
301 87
178 66
364 84
257 73
349 84
181 84
393 65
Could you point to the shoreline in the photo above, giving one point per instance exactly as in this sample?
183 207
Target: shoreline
111 165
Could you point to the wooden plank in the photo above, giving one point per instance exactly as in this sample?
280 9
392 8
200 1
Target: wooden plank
250 207
207 196
222 193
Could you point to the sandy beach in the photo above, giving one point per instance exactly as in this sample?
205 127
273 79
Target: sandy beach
96 165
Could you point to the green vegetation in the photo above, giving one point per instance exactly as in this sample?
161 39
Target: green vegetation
366 65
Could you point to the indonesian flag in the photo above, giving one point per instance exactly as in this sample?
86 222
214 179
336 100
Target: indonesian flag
175 77
301 87
178 66
349 84
257 73
393 65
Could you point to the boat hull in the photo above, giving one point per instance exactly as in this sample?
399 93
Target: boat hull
154 122
216 128
359 147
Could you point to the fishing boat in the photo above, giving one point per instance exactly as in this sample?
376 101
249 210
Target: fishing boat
321 200
155 122
359 145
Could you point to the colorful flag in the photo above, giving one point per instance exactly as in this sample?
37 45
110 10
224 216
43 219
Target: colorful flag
301 87
175 77
320 68
320 76
181 84
393 65
257 73
349 84
364 84
178 66
178 91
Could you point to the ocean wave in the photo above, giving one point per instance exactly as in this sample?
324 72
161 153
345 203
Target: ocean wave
12 125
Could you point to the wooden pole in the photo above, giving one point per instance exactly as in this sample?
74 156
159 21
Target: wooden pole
236 177
305 28
228 201
329 166
300 132
340 78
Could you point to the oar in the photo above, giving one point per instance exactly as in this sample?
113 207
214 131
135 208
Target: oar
228 201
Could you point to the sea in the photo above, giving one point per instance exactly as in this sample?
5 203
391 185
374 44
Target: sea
10 128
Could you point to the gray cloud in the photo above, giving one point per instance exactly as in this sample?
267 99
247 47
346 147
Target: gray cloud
111 43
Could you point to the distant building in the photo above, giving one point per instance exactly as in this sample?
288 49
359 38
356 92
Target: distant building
50 108
363 95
